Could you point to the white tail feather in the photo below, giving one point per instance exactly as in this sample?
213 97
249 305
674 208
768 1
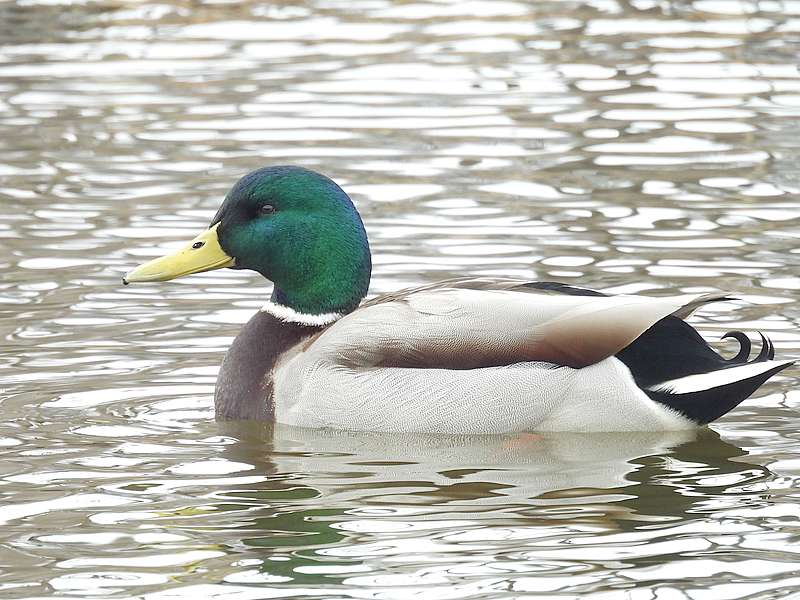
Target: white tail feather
715 379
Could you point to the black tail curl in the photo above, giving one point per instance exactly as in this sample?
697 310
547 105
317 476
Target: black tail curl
744 346
767 348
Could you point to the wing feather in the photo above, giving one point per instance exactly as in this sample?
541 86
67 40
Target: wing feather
459 327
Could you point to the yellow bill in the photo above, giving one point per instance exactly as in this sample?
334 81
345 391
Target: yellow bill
203 253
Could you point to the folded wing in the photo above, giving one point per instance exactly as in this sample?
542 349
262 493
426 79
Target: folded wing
482 323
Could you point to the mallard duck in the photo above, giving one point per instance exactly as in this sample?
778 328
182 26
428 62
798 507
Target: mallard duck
466 355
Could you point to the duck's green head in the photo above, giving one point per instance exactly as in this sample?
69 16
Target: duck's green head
294 226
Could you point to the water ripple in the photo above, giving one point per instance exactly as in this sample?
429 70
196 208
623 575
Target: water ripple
633 147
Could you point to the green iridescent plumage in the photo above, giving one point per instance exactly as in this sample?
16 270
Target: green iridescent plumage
312 245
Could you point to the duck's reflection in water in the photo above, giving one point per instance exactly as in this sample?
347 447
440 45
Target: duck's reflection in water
331 503
627 477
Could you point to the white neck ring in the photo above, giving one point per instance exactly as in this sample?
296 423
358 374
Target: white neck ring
289 315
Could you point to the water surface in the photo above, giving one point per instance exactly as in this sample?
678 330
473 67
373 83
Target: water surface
629 146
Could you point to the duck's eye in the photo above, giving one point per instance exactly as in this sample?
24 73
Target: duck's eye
267 209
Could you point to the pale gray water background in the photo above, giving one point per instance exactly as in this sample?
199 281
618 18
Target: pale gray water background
632 146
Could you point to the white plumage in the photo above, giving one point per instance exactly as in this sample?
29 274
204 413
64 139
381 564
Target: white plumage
531 396
707 381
